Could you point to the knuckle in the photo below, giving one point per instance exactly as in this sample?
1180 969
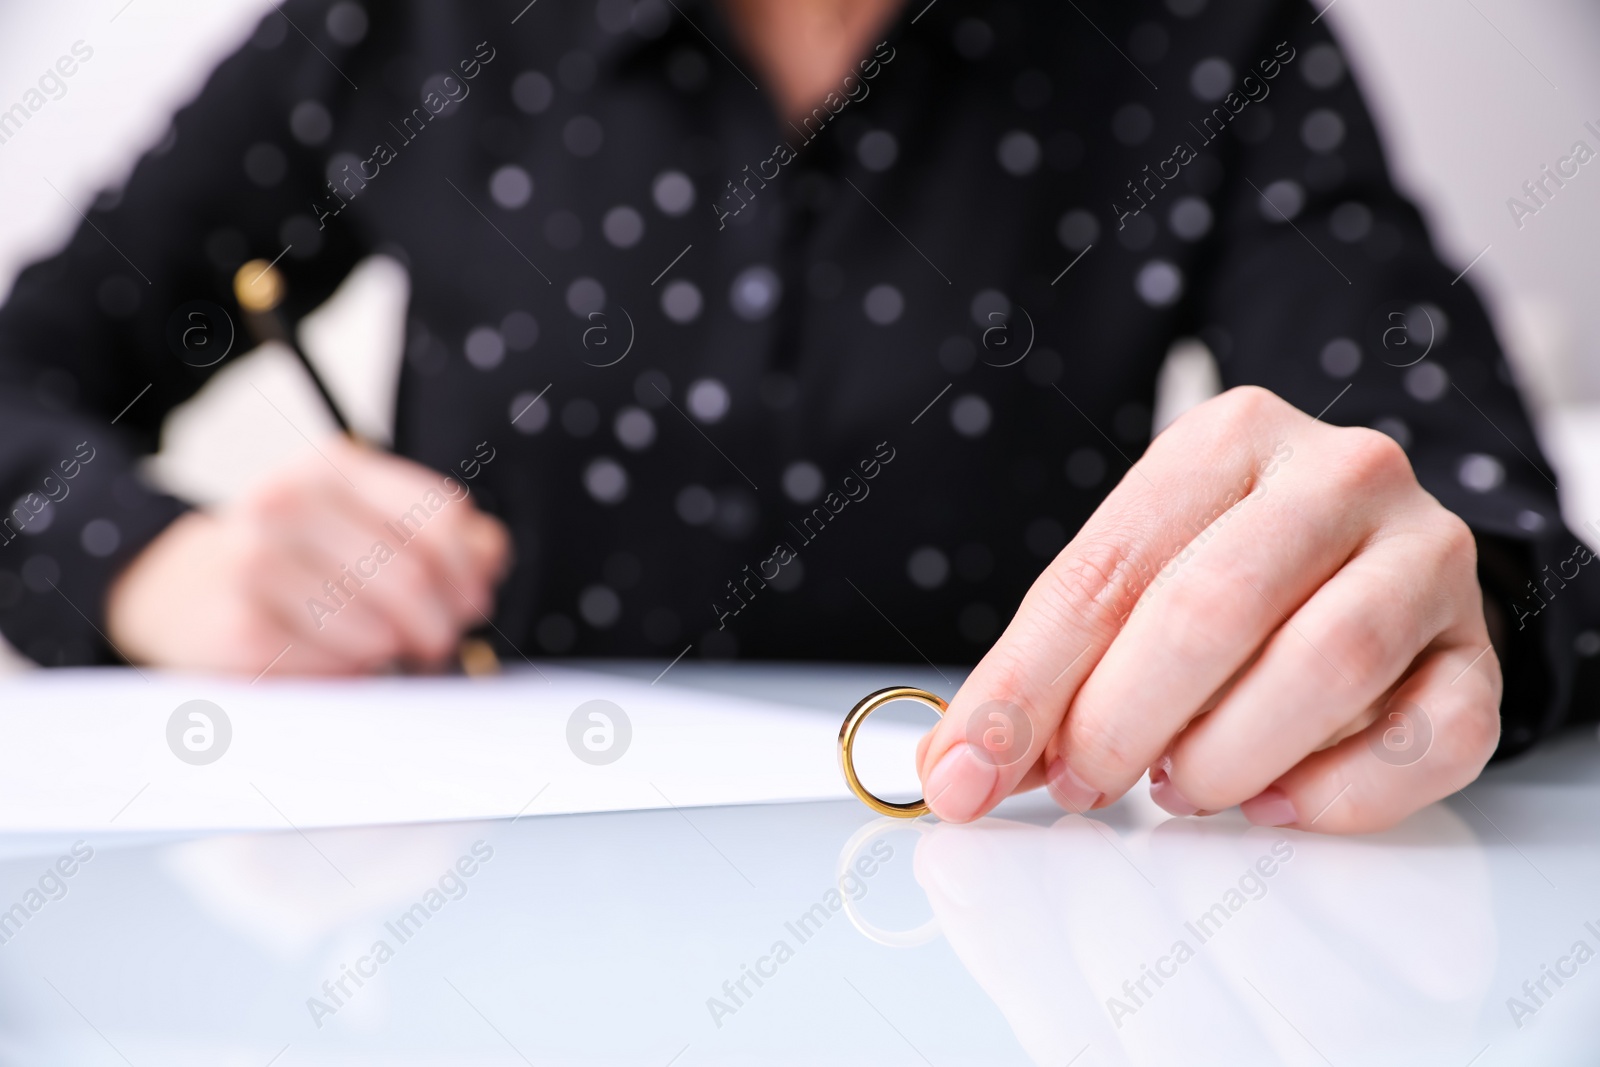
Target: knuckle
1198 623
440 645
1368 459
280 500
1007 677
1206 785
255 633
497 538
1468 735
1458 543
476 600
411 578
1362 645
256 555
371 642
1095 584
1101 752
1246 405
1247 402
1198 427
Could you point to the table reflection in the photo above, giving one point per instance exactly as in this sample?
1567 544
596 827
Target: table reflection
1152 943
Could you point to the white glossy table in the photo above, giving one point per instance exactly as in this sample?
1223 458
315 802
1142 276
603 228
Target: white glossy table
632 938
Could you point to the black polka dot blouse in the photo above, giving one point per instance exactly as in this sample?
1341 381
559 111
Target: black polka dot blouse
833 389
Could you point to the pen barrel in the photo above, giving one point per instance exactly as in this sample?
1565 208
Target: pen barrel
260 289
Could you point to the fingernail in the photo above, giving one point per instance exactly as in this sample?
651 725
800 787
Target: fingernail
960 784
1271 807
1163 792
1070 791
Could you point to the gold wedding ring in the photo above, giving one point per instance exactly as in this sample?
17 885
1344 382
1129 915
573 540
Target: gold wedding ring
847 741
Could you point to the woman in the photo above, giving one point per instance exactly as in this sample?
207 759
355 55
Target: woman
812 330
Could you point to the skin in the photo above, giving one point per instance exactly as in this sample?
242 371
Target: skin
227 590
802 49
1294 585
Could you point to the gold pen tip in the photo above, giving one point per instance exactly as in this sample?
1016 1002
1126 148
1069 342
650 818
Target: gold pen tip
478 657
258 286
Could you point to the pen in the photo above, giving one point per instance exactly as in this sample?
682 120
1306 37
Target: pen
260 288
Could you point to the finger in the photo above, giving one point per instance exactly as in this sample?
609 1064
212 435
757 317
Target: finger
281 576
249 639
405 585
1434 737
487 540
1211 608
424 601
425 509
297 656
1331 662
333 538
354 634
1191 474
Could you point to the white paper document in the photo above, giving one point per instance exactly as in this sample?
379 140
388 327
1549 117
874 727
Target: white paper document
100 750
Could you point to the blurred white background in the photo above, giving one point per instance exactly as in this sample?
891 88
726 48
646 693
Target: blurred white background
1472 98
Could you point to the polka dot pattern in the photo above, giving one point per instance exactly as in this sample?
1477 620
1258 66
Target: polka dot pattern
310 122
708 400
802 482
779 346
672 192
1282 201
1132 124
529 414
1481 473
599 606
877 150
265 164
623 226
1322 66
520 331
1211 78
1019 153
883 304
1077 230
606 481
583 136
755 292
580 417
511 187
1322 130
1190 218
585 296
532 92
1427 382
681 301
100 538
1159 283
928 567
347 23
1350 222
485 348
1341 357
635 428
971 416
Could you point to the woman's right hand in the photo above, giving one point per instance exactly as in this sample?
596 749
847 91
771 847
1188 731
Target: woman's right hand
338 565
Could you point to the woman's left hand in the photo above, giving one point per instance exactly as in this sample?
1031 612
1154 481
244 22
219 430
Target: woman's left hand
1267 611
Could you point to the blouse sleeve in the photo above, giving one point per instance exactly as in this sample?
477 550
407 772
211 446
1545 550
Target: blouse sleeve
1321 285
100 341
